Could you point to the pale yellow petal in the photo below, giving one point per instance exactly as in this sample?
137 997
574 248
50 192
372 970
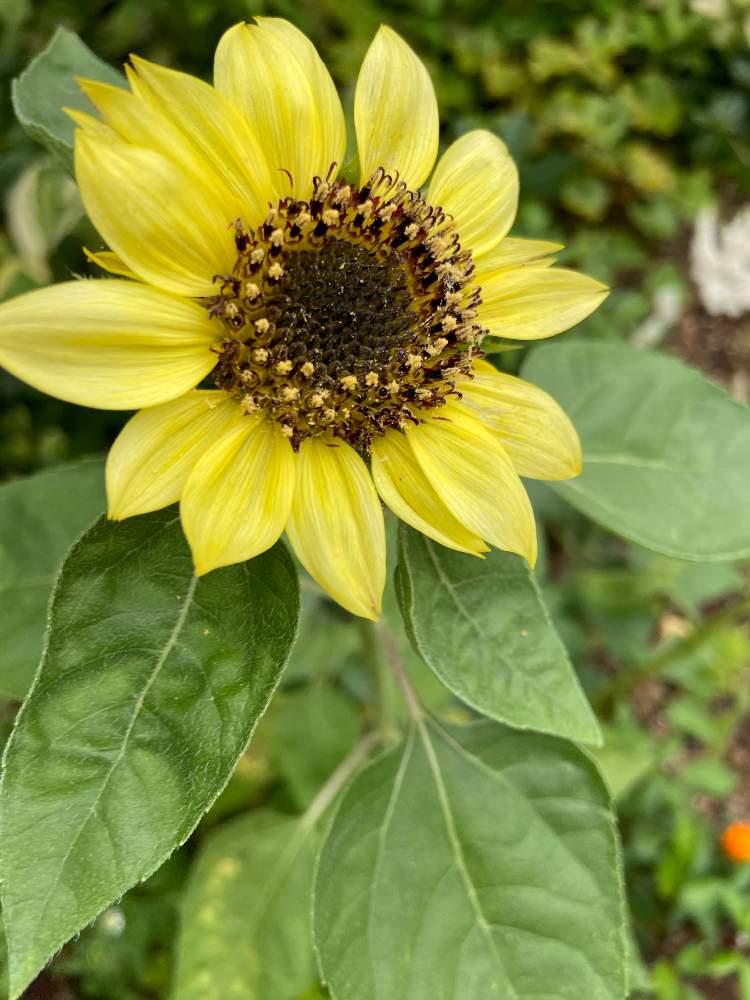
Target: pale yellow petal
336 526
532 302
476 182
272 73
114 345
109 262
473 475
128 116
511 252
236 501
166 226
218 133
406 490
533 429
156 450
331 121
395 112
92 124
141 119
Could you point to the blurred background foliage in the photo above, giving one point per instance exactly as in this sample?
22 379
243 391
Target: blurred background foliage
626 119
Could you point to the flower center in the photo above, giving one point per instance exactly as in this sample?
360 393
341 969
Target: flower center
347 314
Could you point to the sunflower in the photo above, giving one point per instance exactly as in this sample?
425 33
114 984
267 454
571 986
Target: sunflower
301 349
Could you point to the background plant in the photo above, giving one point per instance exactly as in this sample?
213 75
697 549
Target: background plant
625 121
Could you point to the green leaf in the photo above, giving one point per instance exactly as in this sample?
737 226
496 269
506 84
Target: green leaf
310 732
665 452
472 862
246 931
150 687
48 85
482 626
40 518
3 962
628 754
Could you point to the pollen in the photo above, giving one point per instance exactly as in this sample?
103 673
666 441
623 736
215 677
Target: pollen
349 313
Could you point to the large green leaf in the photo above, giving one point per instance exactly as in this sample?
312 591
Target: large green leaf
475 862
666 453
40 518
246 931
150 686
48 85
482 626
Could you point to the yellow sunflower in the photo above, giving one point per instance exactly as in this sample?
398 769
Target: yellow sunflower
338 328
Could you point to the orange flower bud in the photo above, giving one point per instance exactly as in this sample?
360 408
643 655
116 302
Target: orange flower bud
735 841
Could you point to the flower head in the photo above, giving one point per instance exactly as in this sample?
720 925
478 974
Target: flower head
735 841
338 321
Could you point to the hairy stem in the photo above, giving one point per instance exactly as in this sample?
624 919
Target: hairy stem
338 779
399 668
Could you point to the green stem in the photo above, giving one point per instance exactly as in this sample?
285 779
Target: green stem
338 779
372 645
399 668
627 680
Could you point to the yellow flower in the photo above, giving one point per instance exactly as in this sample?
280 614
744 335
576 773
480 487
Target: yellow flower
337 325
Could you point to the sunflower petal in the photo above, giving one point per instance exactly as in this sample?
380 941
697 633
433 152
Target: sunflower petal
216 130
475 479
395 112
336 526
114 345
109 262
140 119
156 450
538 436
91 124
273 74
159 219
511 252
476 182
128 116
236 500
406 490
536 301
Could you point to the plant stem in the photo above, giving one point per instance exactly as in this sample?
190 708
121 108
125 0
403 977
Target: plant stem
627 680
399 668
338 779
373 650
